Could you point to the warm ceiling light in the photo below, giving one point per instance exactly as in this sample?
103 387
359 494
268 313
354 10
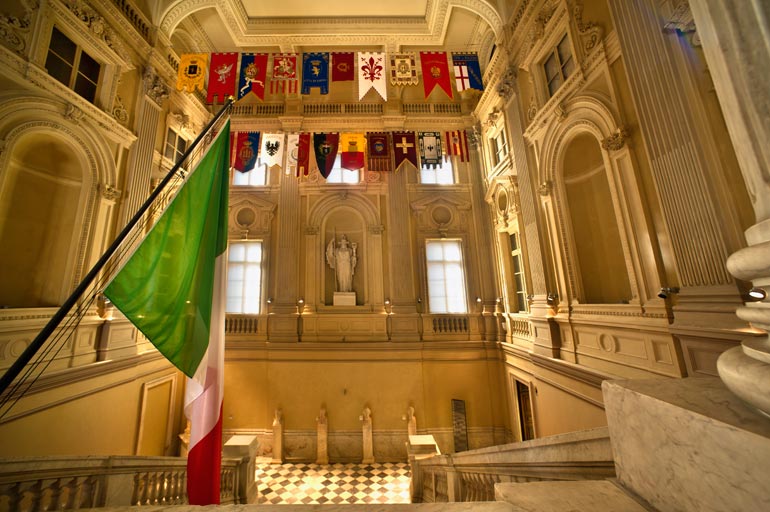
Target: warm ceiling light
757 293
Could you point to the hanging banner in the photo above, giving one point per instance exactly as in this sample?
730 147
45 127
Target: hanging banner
222 73
303 154
435 71
284 73
403 68
253 75
405 149
245 146
457 144
378 145
343 66
192 72
271 153
315 72
467 71
430 149
352 151
325 147
371 74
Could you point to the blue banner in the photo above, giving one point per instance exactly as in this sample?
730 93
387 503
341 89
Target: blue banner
315 72
471 62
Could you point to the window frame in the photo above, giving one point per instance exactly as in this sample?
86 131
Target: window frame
553 53
75 65
342 172
517 255
260 278
446 161
433 307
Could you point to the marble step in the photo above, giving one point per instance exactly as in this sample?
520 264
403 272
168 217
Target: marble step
491 506
575 496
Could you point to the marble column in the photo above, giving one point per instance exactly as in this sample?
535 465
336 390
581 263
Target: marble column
366 424
278 437
322 446
736 42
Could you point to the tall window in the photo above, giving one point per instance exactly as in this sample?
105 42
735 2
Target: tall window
558 66
499 147
254 178
175 146
73 67
340 175
442 175
518 274
244 277
446 277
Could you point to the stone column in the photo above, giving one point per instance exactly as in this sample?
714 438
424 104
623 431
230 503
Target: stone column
278 437
366 421
736 41
139 166
322 449
402 294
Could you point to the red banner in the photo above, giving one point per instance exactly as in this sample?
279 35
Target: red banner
343 66
435 71
222 73
457 144
379 151
245 147
405 148
284 73
303 155
325 146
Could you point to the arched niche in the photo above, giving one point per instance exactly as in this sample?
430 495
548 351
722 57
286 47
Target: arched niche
43 219
598 256
345 221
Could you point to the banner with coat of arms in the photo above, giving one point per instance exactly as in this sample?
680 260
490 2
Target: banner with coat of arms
343 66
371 74
192 72
271 153
457 144
379 151
315 72
325 147
435 71
222 73
253 75
245 147
404 149
403 69
284 73
430 149
467 71
352 151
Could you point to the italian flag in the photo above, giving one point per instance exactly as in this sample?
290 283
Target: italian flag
173 290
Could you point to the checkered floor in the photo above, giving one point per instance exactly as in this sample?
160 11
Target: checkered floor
333 483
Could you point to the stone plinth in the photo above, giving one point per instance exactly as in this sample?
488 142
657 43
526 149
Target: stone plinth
344 298
245 448
688 444
594 495
421 447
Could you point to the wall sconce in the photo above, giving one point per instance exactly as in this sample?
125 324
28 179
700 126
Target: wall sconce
387 302
478 300
300 301
419 300
269 300
665 292
552 297
530 297
757 294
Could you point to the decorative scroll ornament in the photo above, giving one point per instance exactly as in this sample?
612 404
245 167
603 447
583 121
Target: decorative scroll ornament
493 117
154 86
98 27
119 111
545 188
507 84
616 141
590 34
109 192
474 136
14 31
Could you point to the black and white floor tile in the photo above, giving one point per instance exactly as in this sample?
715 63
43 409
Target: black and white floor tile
333 483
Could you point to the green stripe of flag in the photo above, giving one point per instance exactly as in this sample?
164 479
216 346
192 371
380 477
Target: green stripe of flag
165 289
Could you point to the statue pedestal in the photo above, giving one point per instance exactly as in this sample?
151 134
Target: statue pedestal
344 298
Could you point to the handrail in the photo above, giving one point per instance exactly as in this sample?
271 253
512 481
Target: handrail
7 379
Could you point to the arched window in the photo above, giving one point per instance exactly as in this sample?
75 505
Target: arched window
600 262
40 222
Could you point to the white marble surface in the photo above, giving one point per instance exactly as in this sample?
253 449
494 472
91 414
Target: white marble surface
688 444
588 495
419 507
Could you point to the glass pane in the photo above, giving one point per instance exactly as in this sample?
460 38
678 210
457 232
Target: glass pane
335 176
89 67
551 67
85 87
434 251
519 282
452 251
237 252
181 145
563 50
58 69
554 85
171 137
254 252
235 273
233 305
62 46
435 272
568 68
514 242
241 178
445 176
350 177
428 176
516 264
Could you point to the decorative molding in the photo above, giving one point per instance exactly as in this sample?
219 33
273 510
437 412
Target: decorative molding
154 86
98 27
109 192
73 113
677 16
376 229
507 84
14 31
545 188
119 111
493 117
589 33
617 140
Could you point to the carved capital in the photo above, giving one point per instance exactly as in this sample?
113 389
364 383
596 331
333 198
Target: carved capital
677 16
376 229
154 86
616 141
507 84
474 135
545 188
109 192
493 117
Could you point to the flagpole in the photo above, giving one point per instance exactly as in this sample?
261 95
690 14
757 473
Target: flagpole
26 356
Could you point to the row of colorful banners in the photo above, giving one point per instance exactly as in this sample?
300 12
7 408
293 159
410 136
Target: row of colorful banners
379 151
319 68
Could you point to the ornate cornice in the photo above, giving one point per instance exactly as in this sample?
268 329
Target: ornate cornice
99 28
14 31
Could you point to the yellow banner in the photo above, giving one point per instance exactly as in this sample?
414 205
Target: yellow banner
352 143
192 71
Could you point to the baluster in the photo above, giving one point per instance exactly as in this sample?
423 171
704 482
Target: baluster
146 490
87 492
137 491
53 502
72 491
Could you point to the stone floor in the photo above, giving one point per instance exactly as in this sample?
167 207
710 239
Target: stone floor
333 484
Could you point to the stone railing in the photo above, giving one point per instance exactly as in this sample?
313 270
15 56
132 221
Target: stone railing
241 324
72 483
259 110
432 108
472 475
450 324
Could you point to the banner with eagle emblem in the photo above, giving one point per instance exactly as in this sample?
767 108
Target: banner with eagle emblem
222 72
272 150
435 71
253 75
192 71
315 72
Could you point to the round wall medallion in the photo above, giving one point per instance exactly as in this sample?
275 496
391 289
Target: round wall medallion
245 217
502 201
441 215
